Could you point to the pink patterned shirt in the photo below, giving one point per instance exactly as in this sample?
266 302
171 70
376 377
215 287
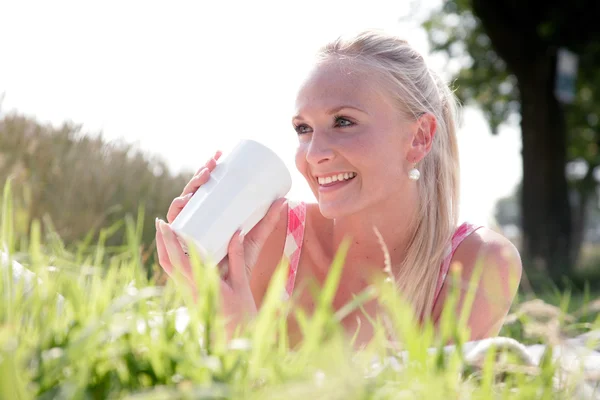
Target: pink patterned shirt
295 237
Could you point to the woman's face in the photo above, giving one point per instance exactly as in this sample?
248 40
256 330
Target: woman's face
355 146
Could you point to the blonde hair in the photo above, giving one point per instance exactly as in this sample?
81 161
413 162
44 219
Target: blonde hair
417 90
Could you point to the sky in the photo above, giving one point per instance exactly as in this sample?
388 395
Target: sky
182 79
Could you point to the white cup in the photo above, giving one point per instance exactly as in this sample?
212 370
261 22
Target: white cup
238 195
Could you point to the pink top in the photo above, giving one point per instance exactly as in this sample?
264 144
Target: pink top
295 237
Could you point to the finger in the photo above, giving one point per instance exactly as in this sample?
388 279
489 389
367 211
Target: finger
196 182
237 264
177 205
163 256
225 289
224 268
264 228
174 251
211 163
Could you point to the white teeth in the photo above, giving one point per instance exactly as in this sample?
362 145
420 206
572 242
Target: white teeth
335 178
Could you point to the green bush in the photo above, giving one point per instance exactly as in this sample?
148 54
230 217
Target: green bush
79 183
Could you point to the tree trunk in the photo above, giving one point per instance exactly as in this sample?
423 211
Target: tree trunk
545 203
585 190
580 212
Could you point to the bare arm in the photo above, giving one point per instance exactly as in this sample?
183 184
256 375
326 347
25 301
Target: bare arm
498 262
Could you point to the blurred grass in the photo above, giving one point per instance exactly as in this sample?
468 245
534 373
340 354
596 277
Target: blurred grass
115 334
76 183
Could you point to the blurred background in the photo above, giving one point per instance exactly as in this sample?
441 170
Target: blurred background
108 107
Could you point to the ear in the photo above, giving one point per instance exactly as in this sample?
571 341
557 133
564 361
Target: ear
423 133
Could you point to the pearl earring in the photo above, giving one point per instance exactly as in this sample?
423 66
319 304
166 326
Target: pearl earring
414 174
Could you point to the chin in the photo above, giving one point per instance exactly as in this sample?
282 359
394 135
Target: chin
336 209
328 212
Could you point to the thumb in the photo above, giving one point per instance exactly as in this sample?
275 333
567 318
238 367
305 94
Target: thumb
237 263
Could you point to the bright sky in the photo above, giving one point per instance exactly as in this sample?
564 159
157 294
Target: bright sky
183 78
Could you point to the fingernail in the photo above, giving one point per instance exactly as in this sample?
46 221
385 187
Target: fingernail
188 196
241 237
162 225
156 222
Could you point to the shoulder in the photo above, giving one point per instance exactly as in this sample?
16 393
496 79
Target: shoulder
272 251
491 251
490 270
307 215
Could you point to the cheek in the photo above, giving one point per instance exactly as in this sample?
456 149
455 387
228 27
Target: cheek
300 159
384 163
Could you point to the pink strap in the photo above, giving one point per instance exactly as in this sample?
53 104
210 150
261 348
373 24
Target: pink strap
461 233
293 241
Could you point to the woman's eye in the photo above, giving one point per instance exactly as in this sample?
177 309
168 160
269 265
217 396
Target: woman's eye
343 122
302 129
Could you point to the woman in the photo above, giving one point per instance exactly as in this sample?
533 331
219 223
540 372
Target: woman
377 145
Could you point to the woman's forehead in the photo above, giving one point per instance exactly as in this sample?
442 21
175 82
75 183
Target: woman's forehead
332 85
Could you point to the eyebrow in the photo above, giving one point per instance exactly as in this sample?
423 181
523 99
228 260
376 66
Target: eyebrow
336 110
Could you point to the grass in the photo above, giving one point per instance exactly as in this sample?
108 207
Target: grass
94 326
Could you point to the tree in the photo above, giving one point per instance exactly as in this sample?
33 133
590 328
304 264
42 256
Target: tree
510 51
507 215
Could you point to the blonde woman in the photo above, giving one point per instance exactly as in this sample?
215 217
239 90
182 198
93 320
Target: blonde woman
377 144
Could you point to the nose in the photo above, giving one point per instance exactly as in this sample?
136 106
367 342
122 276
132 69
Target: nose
320 149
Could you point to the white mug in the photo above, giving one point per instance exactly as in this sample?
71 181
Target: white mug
238 195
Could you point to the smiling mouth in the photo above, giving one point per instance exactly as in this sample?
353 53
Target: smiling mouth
334 179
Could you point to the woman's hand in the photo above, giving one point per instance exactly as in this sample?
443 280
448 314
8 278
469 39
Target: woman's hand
255 239
237 301
199 179
243 252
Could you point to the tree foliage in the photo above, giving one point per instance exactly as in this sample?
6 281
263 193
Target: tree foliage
507 53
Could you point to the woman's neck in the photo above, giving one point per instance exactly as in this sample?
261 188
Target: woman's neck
392 219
